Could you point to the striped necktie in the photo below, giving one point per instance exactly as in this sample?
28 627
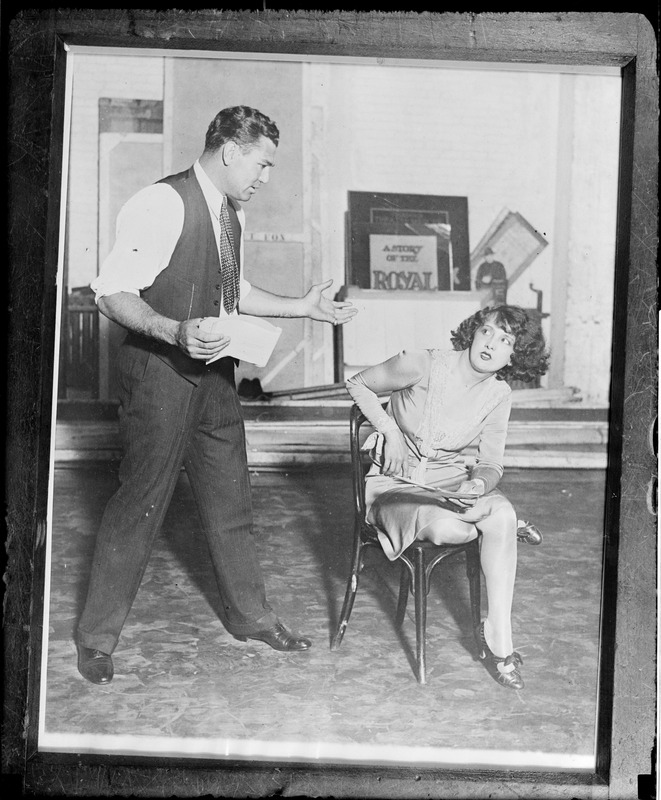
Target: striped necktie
230 274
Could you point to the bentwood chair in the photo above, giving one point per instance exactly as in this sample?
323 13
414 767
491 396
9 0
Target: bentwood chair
418 561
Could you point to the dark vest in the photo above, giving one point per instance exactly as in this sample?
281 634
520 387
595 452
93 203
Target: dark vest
190 286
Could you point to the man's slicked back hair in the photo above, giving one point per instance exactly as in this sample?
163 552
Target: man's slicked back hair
240 124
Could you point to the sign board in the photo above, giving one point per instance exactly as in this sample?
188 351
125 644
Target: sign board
407 263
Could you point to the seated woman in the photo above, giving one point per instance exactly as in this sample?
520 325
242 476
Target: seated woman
442 401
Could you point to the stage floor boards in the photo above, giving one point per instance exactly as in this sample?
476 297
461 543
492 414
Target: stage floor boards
182 680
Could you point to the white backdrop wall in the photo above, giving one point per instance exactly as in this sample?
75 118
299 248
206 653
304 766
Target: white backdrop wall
591 240
473 134
94 77
494 137
498 138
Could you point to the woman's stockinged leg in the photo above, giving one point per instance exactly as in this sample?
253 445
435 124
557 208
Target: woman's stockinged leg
498 556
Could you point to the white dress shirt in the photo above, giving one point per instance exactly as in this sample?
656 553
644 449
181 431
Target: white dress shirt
148 229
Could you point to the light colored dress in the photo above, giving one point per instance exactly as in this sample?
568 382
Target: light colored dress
439 424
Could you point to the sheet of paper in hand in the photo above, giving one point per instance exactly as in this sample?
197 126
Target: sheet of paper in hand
437 489
252 339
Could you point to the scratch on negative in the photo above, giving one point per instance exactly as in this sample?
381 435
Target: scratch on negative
430 25
644 243
642 201
632 395
471 34
484 31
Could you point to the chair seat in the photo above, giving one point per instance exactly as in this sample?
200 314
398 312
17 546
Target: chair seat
432 546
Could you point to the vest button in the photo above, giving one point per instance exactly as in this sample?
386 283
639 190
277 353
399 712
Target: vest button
216 303
217 286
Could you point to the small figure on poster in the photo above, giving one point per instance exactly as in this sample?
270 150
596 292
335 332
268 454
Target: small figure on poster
491 275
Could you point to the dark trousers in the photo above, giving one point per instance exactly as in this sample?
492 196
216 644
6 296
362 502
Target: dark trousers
167 422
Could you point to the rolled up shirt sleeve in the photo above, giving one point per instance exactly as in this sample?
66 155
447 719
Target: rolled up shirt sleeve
148 228
147 231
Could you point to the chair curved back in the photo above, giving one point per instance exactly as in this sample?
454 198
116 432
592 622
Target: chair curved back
357 419
359 468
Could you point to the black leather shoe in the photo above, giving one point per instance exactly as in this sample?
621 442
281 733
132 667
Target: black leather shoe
94 665
279 638
528 533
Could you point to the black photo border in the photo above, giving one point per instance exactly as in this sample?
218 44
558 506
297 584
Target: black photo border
35 54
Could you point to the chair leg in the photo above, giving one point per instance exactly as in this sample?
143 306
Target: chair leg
473 570
404 589
420 592
349 596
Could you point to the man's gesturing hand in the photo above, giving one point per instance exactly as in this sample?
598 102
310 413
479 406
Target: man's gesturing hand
322 309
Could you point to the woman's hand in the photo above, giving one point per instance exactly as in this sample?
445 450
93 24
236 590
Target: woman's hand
474 488
395 453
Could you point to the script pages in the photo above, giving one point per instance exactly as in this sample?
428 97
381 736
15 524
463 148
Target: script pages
252 339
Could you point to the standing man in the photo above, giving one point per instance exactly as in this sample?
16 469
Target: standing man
491 274
177 259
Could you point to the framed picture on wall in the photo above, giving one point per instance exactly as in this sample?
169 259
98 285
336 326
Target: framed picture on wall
408 242
513 240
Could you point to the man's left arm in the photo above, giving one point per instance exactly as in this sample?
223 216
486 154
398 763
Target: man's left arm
260 303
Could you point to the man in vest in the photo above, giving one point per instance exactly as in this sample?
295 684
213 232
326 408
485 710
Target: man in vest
178 259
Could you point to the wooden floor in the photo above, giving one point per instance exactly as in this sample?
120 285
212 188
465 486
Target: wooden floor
184 686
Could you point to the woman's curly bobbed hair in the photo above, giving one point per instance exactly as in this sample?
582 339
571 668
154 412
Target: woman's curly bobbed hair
530 358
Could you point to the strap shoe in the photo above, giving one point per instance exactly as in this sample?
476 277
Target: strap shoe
528 533
505 670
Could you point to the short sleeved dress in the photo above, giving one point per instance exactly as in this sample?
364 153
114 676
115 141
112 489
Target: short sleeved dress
438 433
